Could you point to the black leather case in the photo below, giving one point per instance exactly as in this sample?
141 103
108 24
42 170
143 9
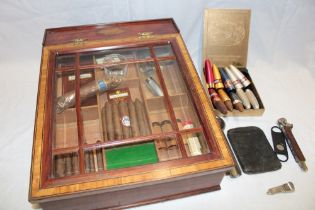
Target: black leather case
253 150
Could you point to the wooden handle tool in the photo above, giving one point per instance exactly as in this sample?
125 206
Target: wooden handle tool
286 128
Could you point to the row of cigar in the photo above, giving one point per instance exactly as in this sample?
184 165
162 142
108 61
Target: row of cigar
167 148
66 165
93 160
120 120
229 87
124 119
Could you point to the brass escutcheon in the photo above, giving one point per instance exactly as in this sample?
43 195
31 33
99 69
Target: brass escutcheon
78 41
145 35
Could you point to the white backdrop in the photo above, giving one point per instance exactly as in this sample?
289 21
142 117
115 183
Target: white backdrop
281 62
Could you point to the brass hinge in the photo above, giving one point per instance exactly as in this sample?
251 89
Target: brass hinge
145 35
79 41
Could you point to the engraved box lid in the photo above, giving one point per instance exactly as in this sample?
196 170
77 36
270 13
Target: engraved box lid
225 37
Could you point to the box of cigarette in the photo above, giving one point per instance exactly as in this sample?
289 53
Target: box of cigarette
226 77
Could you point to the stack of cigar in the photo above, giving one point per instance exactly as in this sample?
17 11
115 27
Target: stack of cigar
93 160
233 91
66 165
167 148
124 119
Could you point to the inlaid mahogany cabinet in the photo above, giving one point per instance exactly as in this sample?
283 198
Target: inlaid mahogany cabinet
122 119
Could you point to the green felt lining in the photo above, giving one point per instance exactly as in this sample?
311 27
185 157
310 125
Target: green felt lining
133 155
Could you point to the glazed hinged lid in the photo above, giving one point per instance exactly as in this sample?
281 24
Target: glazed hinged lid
225 37
79 35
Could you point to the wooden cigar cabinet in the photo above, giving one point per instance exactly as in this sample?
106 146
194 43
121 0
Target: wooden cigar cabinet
122 119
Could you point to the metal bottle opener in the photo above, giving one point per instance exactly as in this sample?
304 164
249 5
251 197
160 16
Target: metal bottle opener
294 147
287 187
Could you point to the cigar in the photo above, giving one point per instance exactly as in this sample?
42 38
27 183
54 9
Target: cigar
217 78
60 166
236 102
86 91
133 119
117 124
162 149
99 155
140 117
109 121
103 116
236 82
68 165
226 80
217 102
171 143
160 143
245 82
209 74
87 162
172 148
142 121
91 158
75 164
225 98
124 119
240 92
166 126
146 123
252 99
238 85
156 128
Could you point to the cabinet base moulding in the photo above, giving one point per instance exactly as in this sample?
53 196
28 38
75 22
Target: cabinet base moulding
139 196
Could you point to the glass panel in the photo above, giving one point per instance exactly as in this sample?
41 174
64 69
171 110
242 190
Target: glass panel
65 133
153 94
122 100
63 61
98 57
173 78
163 51
195 143
177 89
66 165
87 58
184 110
92 131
